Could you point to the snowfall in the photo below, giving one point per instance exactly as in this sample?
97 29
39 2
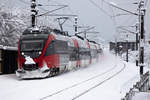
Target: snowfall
112 77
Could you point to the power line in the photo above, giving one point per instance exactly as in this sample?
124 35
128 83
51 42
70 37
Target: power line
100 8
113 19
52 11
65 15
24 2
27 3
49 5
146 1
54 2
113 5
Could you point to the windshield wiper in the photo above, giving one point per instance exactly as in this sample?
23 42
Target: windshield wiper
30 50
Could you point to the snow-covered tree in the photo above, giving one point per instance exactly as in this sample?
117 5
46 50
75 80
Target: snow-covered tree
12 23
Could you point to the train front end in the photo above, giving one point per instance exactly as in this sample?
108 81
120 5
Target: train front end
31 63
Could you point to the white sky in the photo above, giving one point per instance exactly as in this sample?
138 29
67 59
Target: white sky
91 15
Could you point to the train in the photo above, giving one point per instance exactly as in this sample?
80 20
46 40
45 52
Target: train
47 52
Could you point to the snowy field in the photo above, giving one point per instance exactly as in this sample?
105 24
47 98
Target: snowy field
109 79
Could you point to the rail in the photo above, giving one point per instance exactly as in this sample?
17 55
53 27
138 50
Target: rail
77 84
76 97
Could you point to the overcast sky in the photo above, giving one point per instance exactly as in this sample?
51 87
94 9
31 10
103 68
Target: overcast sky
93 13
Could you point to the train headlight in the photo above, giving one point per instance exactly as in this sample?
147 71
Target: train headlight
22 53
40 52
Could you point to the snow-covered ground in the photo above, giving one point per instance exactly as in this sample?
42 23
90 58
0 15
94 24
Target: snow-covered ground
141 96
109 79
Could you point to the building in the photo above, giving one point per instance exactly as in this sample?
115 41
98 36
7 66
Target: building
8 59
120 47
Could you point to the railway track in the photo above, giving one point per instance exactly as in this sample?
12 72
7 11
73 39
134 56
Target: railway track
85 81
99 83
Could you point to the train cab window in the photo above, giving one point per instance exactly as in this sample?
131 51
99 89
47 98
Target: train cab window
29 45
57 47
50 49
61 46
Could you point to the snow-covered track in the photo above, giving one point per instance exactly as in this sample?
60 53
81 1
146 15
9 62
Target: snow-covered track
83 82
99 83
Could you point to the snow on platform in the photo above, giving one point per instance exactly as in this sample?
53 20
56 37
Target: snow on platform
141 96
114 89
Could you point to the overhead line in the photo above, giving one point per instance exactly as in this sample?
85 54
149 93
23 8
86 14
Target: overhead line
27 3
113 5
86 30
146 1
24 2
61 15
99 8
126 30
52 11
51 5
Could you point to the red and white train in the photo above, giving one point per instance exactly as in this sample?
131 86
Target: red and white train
48 52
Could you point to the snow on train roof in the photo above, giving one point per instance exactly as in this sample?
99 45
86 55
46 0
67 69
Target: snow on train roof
82 43
65 38
8 48
92 45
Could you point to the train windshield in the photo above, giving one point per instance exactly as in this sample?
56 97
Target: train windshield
32 45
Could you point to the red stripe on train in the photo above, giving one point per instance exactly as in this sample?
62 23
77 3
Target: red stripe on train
52 60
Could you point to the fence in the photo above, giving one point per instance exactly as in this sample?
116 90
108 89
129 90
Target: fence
141 86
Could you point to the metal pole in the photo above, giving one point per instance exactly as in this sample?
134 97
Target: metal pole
116 46
76 25
34 12
85 35
141 19
127 49
136 41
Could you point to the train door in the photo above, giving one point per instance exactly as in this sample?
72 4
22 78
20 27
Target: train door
61 48
77 53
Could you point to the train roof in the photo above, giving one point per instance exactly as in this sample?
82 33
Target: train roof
40 30
61 35
44 30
